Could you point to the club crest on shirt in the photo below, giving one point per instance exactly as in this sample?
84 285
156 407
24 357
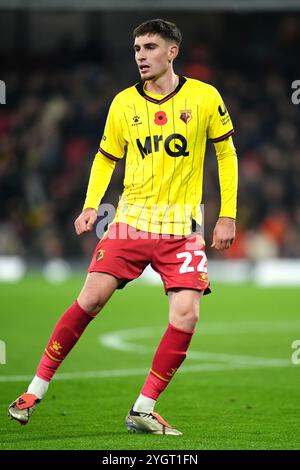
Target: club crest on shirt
186 115
100 254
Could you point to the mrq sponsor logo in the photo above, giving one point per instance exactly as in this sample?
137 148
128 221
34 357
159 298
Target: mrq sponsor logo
2 92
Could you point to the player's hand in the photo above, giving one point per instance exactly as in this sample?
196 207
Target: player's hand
224 233
85 222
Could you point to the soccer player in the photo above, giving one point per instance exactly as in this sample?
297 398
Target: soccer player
161 125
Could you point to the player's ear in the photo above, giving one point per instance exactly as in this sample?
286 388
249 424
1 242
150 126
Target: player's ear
173 52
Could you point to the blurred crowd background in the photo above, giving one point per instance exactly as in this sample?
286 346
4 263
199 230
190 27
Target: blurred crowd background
61 76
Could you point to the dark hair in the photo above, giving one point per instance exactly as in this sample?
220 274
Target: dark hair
165 29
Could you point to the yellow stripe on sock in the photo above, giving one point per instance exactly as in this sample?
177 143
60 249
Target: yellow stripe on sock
51 357
159 376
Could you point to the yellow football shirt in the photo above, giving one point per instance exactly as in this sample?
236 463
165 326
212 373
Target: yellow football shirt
164 139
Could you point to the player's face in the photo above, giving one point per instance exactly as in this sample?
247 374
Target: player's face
153 55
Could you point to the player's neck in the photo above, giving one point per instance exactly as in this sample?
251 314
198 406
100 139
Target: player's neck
163 85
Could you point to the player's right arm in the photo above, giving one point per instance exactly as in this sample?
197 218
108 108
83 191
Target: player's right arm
101 173
112 149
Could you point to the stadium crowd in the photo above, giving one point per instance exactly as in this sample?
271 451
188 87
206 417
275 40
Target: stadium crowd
54 117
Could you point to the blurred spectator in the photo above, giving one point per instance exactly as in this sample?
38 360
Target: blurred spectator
55 114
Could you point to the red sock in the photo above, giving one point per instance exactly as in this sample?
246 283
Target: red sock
169 355
65 335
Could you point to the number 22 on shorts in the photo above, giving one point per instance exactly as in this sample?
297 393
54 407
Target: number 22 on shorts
188 257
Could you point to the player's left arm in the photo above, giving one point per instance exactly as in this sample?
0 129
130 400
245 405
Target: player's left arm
224 231
220 130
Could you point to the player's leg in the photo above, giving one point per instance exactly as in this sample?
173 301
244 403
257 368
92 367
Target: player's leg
182 264
171 352
96 291
172 349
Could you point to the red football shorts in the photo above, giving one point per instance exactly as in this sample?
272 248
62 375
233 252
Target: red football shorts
124 252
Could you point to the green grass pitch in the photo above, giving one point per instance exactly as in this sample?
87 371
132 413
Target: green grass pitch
237 389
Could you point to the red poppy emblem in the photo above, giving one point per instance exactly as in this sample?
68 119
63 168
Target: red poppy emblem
160 118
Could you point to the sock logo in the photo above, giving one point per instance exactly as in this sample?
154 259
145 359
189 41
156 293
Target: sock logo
173 371
55 347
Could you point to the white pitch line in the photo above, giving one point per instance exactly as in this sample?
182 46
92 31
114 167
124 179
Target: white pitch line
94 374
123 340
246 327
108 374
236 359
120 340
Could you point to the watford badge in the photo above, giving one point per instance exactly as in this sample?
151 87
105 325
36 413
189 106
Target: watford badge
100 255
203 277
186 115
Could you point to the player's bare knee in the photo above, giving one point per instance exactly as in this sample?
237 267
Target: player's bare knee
96 291
185 319
96 307
91 304
190 315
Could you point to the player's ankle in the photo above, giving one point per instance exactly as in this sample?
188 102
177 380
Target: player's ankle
144 404
38 387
